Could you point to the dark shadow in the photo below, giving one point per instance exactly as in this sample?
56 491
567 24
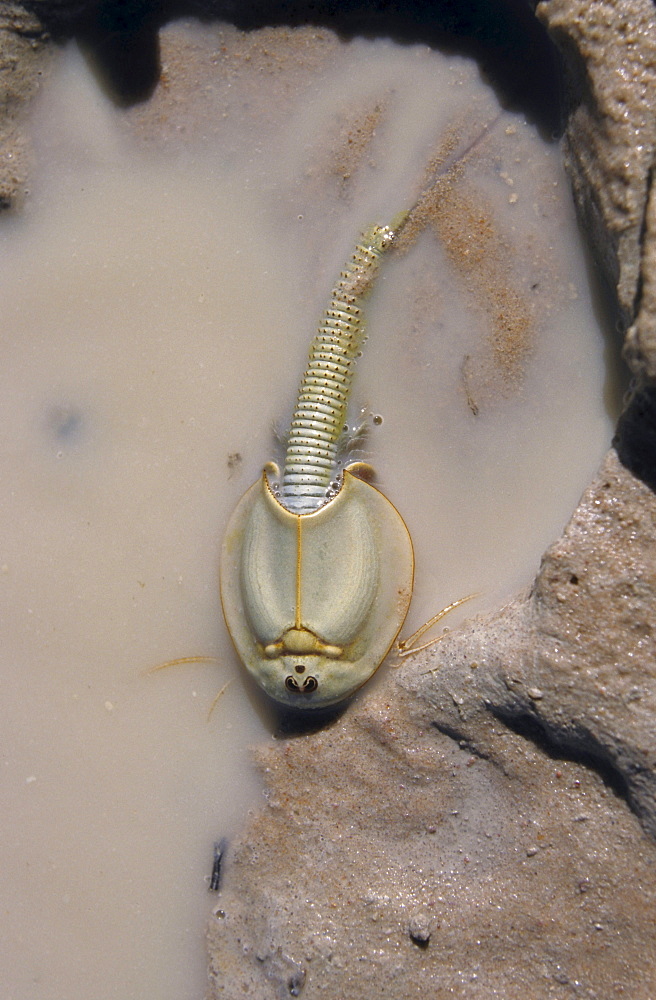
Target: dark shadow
631 780
515 55
571 744
463 741
121 44
635 441
290 723
119 39
606 312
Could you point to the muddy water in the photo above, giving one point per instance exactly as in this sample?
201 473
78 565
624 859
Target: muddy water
159 293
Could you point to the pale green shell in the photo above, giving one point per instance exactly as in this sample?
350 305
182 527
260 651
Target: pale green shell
313 602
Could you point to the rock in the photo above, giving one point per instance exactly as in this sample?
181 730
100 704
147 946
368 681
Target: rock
584 638
640 346
609 51
24 59
420 929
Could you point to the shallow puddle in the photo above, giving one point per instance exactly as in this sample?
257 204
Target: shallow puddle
159 294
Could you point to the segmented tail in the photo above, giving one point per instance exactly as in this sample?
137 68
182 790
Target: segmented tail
310 462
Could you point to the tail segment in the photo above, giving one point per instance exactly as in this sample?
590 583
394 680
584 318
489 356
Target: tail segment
310 462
